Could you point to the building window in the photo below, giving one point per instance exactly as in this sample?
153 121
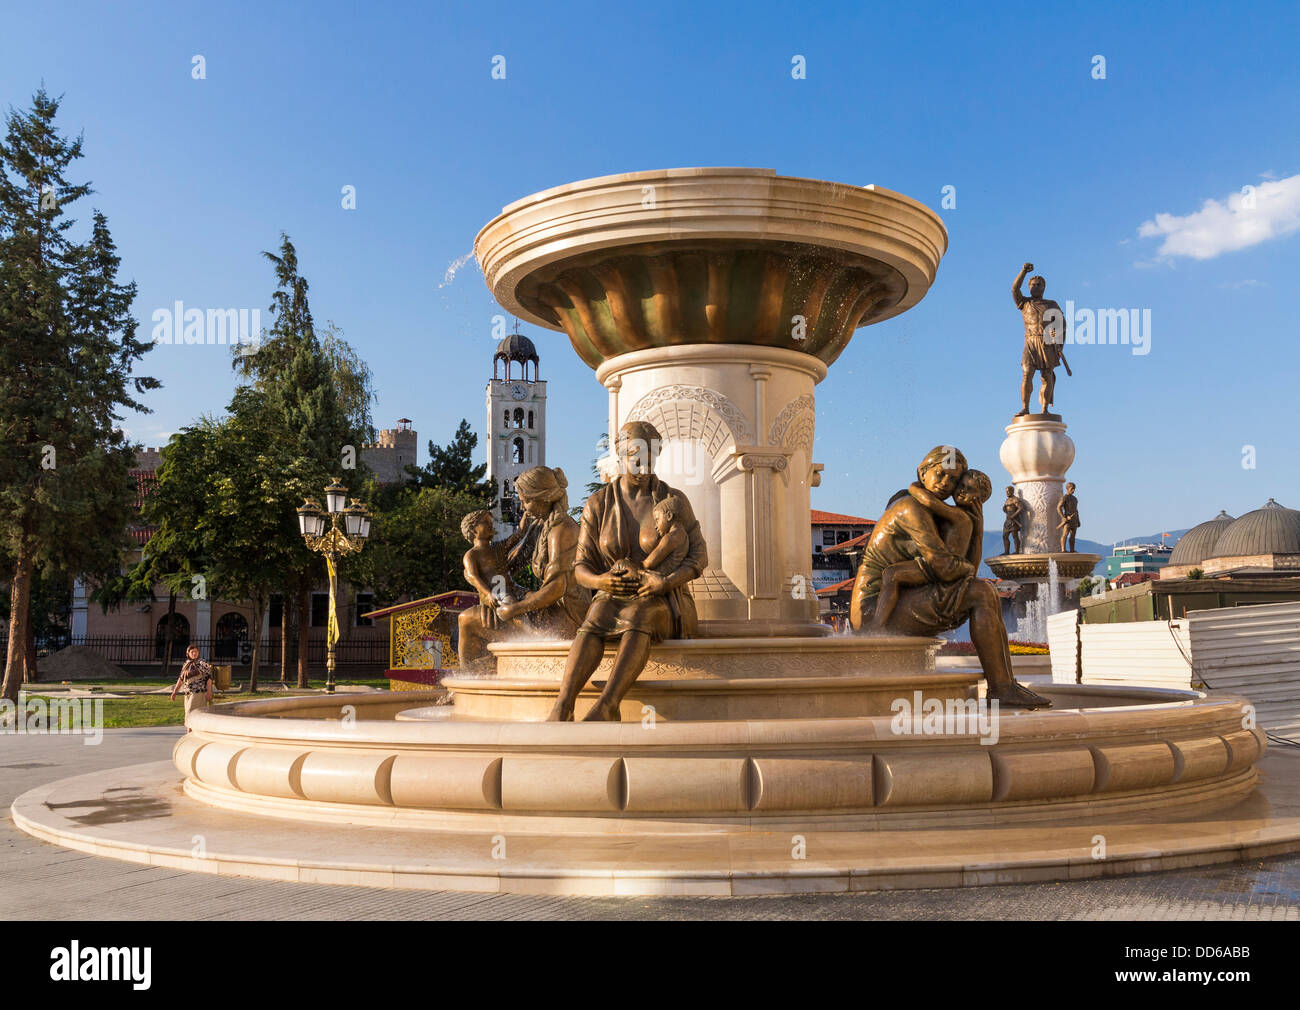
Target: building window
231 629
505 417
519 417
180 636
365 604
530 419
828 538
517 451
841 536
320 608
276 610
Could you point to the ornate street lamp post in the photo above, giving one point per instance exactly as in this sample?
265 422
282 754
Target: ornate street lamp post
334 543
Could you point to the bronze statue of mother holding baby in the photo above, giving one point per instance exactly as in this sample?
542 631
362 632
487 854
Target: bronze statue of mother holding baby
639 546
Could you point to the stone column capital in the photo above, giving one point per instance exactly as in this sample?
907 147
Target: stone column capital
749 458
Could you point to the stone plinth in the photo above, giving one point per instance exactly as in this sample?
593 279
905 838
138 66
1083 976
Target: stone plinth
724 679
1037 453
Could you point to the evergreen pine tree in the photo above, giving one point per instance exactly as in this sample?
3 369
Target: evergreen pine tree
67 346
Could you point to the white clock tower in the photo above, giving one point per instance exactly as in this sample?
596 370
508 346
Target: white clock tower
516 419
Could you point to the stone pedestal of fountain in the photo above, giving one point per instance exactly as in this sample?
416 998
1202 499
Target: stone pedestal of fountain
1037 453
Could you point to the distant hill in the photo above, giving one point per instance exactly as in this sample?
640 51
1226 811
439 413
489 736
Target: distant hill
1154 538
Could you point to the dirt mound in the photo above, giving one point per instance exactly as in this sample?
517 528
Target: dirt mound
77 662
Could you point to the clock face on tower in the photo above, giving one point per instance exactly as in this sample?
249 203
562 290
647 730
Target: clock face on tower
518 392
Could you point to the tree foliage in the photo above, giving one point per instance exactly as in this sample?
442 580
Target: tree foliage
452 468
67 351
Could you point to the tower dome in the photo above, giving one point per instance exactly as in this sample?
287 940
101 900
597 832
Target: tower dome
1273 529
516 347
1199 542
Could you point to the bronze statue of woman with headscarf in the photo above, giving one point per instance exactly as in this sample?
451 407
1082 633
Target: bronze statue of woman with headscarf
633 605
558 605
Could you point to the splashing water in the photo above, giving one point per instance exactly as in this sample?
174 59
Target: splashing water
1050 601
454 267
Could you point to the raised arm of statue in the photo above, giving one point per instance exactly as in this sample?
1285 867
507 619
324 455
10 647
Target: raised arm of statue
1016 293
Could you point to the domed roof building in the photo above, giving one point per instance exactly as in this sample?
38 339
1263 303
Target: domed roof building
1273 529
516 347
1196 545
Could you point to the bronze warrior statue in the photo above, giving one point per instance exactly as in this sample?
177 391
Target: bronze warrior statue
1014 509
921 531
639 546
1068 509
1044 340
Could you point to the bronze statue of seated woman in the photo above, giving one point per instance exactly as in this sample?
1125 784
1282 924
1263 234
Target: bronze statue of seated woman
911 533
636 603
558 605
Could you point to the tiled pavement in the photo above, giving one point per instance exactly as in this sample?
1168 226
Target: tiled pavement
42 881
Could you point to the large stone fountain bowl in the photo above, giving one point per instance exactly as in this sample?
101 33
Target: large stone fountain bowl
710 256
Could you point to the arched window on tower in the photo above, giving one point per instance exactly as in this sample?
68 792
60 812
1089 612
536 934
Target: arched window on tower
530 419
505 417
517 451
519 417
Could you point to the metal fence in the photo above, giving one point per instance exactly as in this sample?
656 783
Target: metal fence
145 649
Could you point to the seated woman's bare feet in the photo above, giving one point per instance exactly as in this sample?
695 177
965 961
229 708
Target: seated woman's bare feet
560 713
602 712
1015 695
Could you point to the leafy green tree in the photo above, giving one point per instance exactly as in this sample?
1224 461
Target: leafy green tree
453 468
317 392
416 548
174 555
67 349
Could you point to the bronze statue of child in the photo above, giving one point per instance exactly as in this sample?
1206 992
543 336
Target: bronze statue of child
487 563
972 491
670 550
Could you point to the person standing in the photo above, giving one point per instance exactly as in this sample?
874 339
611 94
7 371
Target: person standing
196 681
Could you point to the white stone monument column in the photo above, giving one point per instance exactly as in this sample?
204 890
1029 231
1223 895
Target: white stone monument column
737 423
1037 453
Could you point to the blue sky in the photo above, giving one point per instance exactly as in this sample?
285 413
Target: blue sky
1049 164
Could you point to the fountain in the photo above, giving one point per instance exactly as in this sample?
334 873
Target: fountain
1049 600
765 754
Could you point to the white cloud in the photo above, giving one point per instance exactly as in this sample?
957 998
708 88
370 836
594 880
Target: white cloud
1267 211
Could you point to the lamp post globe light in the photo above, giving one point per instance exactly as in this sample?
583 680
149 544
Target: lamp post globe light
334 542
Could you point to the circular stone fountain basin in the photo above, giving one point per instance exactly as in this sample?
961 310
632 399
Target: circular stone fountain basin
1100 750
